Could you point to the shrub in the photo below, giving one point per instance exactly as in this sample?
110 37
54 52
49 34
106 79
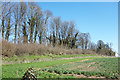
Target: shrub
50 70
10 49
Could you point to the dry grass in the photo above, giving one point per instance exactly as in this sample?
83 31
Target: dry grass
11 49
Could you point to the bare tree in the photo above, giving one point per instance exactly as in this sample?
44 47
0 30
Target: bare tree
71 33
4 13
25 35
63 31
52 26
92 46
16 17
40 33
22 18
8 22
87 37
71 29
32 17
84 39
47 15
81 40
73 42
38 19
57 22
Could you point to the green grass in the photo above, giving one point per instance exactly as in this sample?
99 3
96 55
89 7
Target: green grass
73 55
15 59
25 57
42 74
18 70
107 67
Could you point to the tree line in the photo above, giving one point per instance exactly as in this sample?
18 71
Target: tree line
27 23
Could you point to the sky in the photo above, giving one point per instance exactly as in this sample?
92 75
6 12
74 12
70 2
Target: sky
100 19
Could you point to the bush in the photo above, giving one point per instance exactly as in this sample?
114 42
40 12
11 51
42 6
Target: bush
10 49
106 51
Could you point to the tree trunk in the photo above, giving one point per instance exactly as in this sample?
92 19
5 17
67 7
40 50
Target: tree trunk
3 27
24 33
32 23
8 30
40 38
15 32
54 39
35 34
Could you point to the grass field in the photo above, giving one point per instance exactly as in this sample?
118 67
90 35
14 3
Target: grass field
100 67
63 66
37 58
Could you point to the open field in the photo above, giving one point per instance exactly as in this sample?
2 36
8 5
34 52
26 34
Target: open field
63 66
